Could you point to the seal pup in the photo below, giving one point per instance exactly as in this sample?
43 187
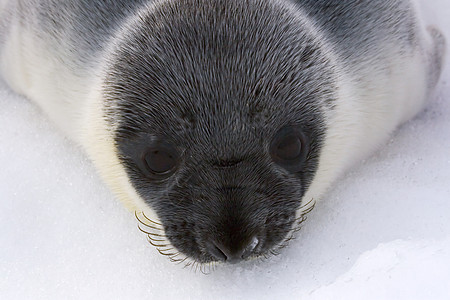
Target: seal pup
216 121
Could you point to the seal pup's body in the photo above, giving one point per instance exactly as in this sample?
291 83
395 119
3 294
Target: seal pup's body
248 107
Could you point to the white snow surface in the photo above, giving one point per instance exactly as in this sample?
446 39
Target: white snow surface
382 231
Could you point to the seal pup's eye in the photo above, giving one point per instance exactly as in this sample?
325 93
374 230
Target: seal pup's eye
289 148
160 161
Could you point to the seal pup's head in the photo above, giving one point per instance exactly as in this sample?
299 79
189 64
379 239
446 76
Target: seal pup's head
217 112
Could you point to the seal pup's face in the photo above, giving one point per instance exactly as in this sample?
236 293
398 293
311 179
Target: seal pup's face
220 125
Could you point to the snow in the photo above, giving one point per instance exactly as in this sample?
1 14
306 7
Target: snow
395 270
382 232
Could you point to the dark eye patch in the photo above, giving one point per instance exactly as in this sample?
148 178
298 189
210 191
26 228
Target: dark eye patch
289 148
160 160
155 157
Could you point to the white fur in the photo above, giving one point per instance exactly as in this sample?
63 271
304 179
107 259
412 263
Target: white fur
34 70
355 131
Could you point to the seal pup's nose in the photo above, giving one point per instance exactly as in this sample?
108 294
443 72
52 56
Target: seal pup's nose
231 254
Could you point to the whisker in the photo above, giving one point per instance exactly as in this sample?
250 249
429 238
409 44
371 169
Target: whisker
192 266
159 240
150 220
274 252
156 237
183 260
210 264
155 234
145 223
202 269
197 265
152 227
168 249
147 232
301 220
176 260
307 207
308 203
156 240
214 265
165 254
153 244
207 269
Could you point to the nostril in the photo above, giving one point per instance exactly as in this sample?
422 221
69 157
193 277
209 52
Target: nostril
216 252
231 253
250 248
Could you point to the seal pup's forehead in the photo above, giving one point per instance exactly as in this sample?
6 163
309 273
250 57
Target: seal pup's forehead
226 71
